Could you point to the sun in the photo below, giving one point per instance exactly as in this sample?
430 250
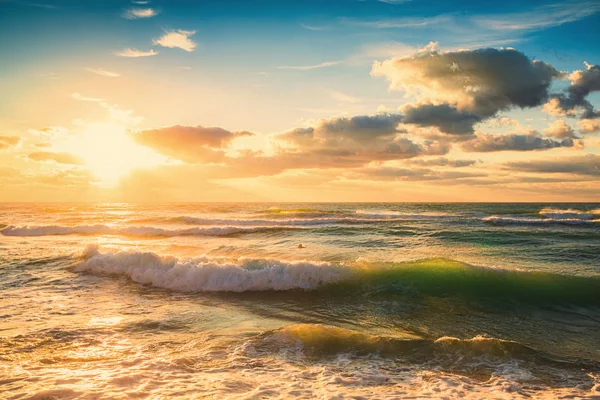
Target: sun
109 152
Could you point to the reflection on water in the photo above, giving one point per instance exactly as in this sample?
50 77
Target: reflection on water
225 308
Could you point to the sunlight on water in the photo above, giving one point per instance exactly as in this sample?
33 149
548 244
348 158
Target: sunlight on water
218 300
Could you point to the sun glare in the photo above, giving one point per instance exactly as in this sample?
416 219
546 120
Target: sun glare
110 153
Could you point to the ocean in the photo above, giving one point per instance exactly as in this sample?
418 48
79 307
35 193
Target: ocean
327 301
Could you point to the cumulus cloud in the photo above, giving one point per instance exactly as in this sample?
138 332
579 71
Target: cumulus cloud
60 158
485 143
443 116
358 139
583 82
136 12
480 82
103 72
588 164
560 130
194 144
130 52
177 39
589 126
8 141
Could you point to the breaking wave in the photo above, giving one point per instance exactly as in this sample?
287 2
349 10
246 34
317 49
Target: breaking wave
205 275
432 277
563 220
570 214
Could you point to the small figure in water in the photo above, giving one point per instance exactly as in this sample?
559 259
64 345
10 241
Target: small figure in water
301 246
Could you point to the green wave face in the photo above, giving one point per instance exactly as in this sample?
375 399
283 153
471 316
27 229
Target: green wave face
448 278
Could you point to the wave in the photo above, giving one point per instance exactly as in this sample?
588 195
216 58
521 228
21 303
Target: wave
387 214
310 221
425 278
140 231
318 339
470 356
508 220
205 275
570 214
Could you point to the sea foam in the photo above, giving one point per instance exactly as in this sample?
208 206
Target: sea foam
205 275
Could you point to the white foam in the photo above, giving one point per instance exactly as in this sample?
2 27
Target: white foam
569 213
507 220
205 275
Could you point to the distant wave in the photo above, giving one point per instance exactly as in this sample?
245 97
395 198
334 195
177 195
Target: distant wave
321 220
387 214
434 277
205 275
141 231
570 214
507 220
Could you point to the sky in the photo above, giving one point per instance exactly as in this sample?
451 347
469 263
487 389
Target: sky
299 101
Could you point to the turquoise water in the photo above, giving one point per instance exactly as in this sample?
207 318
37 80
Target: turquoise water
220 300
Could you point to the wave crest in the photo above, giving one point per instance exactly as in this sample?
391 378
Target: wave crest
205 275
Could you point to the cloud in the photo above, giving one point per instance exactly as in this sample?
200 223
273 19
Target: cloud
394 1
194 144
485 143
543 17
312 27
103 72
344 98
80 97
309 67
129 52
406 174
481 82
560 130
588 164
360 128
589 126
395 23
443 116
51 132
443 162
8 141
61 158
177 39
583 82
135 13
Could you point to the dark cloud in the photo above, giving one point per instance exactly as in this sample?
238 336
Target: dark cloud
353 141
61 158
481 82
443 116
188 143
588 164
484 143
358 128
583 83
8 141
